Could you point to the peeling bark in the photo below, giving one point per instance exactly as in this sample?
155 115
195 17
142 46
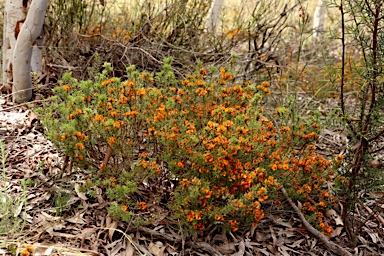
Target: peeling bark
14 16
20 64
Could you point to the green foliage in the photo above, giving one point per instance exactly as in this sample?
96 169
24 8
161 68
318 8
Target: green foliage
360 171
208 131
10 207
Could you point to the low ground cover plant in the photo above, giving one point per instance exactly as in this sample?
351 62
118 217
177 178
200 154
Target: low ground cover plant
207 132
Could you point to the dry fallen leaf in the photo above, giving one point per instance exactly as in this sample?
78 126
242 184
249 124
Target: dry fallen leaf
81 195
111 225
241 250
129 249
157 248
226 248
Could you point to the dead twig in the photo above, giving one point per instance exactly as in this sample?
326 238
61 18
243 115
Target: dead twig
328 243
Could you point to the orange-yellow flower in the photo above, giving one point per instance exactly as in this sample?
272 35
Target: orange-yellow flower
141 92
219 218
199 226
29 248
323 204
25 252
79 146
117 124
142 205
234 225
67 87
98 118
325 194
111 140
261 191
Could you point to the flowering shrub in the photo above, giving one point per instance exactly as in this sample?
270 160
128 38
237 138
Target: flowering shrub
211 133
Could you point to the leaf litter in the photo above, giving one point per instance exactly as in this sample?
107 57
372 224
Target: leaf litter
83 226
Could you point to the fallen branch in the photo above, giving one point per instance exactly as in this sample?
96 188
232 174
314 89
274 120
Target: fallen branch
329 244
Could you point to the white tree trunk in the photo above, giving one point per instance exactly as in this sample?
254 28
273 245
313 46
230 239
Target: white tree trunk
30 31
213 16
37 60
14 14
318 19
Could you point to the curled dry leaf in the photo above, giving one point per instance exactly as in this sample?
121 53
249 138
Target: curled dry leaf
81 195
111 225
226 248
332 214
157 248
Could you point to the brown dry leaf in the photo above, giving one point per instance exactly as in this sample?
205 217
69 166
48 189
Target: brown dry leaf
77 219
112 229
283 223
31 119
273 235
50 217
373 235
157 248
241 249
115 250
332 215
129 249
262 236
337 232
283 251
313 244
271 248
297 243
18 210
172 251
226 248
39 249
111 245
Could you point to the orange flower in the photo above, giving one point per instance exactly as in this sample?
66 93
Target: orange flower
25 252
141 92
117 124
234 225
219 218
199 226
29 248
325 194
111 140
142 205
98 118
263 198
277 201
307 188
261 191
323 204
79 146
124 207
67 87
109 81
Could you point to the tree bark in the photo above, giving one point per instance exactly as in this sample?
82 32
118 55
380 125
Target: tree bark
30 31
213 16
14 15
